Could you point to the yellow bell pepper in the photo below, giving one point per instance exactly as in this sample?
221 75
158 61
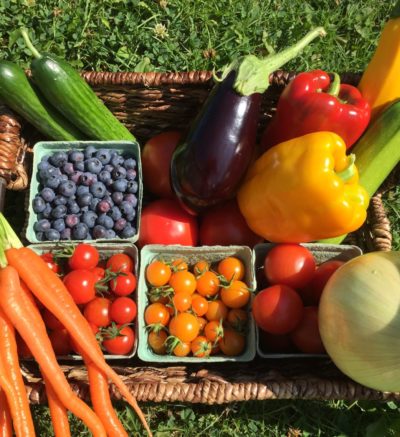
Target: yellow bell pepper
380 84
304 190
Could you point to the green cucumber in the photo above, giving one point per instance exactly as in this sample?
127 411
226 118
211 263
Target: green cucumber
377 152
19 94
65 89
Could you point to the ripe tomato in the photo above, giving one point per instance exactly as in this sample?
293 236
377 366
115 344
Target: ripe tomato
123 310
289 264
277 309
231 268
275 343
51 263
214 331
156 313
207 284
202 323
120 262
156 341
199 305
237 319
121 344
158 273
232 343
185 327
217 310
84 256
166 222
156 160
124 285
60 340
182 349
50 320
306 335
182 301
81 285
179 265
183 281
201 347
97 311
236 295
224 225
200 267
99 273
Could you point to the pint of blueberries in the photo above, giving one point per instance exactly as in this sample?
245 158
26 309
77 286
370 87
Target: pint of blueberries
86 195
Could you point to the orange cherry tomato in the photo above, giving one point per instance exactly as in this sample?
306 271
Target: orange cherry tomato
158 273
184 326
207 284
200 305
183 281
236 295
179 265
214 331
156 313
201 267
182 349
202 323
217 310
201 347
231 268
182 301
237 319
156 341
232 343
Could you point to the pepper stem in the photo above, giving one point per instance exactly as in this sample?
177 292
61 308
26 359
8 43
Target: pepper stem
253 73
334 87
350 170
29 44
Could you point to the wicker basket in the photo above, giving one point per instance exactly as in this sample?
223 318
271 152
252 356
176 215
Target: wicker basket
148 104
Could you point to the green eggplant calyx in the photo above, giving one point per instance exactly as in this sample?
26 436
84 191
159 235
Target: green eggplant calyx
36 54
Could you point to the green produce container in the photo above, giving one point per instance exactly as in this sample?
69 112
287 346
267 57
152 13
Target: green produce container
191 255
105 251
128 148
322 253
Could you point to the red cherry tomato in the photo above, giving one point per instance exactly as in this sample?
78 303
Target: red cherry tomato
124 285
224 225
51 264
306 335
122 344
81 285
97 311
60 340
99 273
120 262
289 264
277 309
85 256
156 161
166 222
123 310
51 321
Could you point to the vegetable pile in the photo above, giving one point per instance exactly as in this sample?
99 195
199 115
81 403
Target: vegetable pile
198 310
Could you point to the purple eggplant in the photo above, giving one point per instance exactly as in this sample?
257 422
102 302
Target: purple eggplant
212 159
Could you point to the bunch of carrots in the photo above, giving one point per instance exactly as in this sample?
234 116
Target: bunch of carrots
24 276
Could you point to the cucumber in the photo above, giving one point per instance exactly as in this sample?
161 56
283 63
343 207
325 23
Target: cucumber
19 94
73 97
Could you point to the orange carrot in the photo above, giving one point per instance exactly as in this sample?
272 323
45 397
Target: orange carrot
22 417
6 429
27 320
51 291
58 412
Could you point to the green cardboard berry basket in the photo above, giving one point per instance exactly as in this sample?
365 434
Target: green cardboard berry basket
129 149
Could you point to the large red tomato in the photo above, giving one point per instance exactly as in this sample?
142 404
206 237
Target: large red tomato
225 225
306 335
164 221
156 160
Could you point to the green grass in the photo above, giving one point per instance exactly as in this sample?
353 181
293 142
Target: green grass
183 35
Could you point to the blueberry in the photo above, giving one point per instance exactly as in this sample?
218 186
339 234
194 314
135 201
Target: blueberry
50 171
42 225
89 151
84 209
64 178
132 187
80 231
119 224
129 163
108 168
131 198
116 159
84 199
118 173
52 181
59 211
117 197
46 213
99 232
89 218
67 188
68 168
60 200
75 156
93 204
98 189
104 176
58 159
72 207
106 221
52 235
103 206
71 220
126 208
120 185
108 199
40 236
65 234
130 217
115 213
48 194
43 165
93 165
45 157
58 224
38 204
110 233
128 231
75 177
130 174
87 179
104 156
81 190
79 166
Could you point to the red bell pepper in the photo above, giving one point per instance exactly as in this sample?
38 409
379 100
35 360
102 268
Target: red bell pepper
311 103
